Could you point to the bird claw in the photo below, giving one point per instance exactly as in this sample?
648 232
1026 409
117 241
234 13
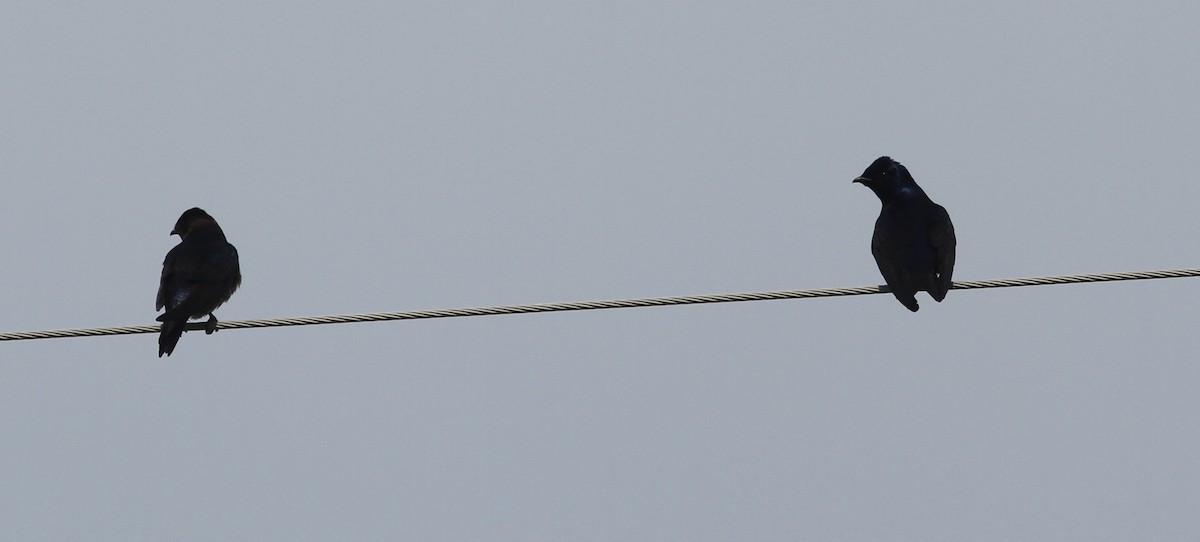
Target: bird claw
210 326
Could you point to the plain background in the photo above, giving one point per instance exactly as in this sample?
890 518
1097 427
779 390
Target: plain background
377 156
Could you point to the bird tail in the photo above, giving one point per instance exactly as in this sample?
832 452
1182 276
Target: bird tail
169 336
908 300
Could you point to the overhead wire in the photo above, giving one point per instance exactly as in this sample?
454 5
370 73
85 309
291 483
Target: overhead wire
595 305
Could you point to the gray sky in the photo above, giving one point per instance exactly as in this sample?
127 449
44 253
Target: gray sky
394 156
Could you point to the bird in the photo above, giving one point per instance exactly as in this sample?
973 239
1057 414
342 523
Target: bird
198 275
914 239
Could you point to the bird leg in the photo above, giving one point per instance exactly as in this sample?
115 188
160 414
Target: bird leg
210 326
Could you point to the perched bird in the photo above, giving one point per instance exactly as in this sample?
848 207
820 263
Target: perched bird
198 275
914 239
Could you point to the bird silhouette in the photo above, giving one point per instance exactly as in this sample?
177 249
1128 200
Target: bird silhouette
198 275
914 240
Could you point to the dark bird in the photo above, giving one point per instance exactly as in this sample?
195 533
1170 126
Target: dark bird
198 275
914 239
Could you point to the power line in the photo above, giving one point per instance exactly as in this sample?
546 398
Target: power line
595 305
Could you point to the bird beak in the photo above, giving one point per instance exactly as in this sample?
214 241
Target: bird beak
173 232
862 180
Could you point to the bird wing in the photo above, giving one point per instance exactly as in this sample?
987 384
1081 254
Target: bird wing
197 280
165 286
882 248
941 236
887 248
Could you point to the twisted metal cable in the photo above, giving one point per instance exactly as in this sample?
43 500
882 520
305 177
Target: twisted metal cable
594 305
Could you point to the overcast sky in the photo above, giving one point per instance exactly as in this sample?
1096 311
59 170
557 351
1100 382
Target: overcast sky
382 156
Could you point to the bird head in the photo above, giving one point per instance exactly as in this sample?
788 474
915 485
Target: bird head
189 220
887 178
